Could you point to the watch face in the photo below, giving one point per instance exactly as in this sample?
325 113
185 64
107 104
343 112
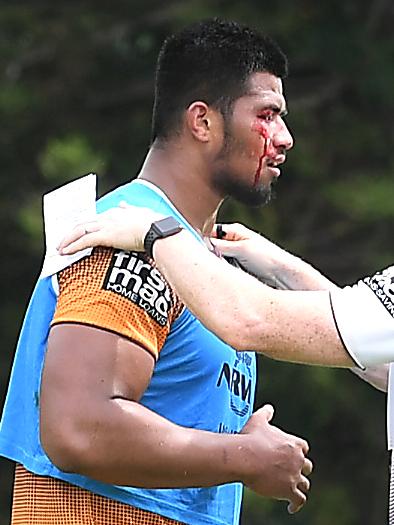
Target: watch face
167 226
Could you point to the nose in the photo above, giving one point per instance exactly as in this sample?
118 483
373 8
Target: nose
283 139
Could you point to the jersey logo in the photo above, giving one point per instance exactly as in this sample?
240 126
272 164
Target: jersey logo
239 383
382 284
131 276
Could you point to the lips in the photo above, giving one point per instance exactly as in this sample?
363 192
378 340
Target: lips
275 172
272 164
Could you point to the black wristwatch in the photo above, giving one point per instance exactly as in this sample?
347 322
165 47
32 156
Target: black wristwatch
159 230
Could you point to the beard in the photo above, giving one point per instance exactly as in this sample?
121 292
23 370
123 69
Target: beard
230 186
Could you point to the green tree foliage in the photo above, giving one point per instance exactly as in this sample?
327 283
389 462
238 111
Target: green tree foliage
76 90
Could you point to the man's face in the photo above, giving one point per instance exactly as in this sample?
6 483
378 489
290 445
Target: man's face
255 142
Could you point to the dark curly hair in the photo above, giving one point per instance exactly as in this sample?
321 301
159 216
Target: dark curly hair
210 61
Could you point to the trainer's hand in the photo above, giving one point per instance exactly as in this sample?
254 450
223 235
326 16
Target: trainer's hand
278 463
124 227
259 256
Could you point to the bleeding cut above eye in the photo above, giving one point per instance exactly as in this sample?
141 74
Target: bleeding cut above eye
261 127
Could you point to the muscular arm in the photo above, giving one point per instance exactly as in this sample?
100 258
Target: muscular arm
91 423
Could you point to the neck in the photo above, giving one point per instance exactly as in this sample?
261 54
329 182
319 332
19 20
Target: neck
186 183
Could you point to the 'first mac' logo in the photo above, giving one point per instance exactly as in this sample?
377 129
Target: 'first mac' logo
132 277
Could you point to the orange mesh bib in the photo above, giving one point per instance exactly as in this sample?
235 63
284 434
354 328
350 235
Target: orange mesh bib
42 500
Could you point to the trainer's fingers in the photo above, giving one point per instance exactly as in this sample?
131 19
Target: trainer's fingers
308 467
225 247
233 232
78 232
218 231
298 500
226 231
87 240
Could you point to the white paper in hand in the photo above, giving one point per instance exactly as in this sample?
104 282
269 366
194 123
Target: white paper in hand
63 209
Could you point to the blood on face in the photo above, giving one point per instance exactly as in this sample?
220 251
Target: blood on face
262 127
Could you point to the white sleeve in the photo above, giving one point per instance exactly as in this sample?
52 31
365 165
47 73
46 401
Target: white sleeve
390 409
364 315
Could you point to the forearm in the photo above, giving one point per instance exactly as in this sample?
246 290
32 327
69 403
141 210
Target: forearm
296 274
281 269
123 443
247 314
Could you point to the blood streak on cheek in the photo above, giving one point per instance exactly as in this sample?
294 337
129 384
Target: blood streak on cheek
267 142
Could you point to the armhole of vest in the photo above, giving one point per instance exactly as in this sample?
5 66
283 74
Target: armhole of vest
178 319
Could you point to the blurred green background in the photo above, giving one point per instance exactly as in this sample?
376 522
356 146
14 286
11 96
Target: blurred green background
76 91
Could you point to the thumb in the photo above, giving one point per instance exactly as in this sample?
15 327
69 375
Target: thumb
267 411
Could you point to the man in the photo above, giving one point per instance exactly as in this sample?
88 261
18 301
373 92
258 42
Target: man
122 407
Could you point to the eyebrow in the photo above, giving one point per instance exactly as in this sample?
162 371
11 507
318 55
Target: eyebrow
273 106
276 109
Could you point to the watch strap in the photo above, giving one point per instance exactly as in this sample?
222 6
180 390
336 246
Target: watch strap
160 230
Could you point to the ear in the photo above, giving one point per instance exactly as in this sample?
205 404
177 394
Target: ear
199 120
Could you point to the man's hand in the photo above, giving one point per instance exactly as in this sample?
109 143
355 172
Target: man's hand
278 461
124 227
